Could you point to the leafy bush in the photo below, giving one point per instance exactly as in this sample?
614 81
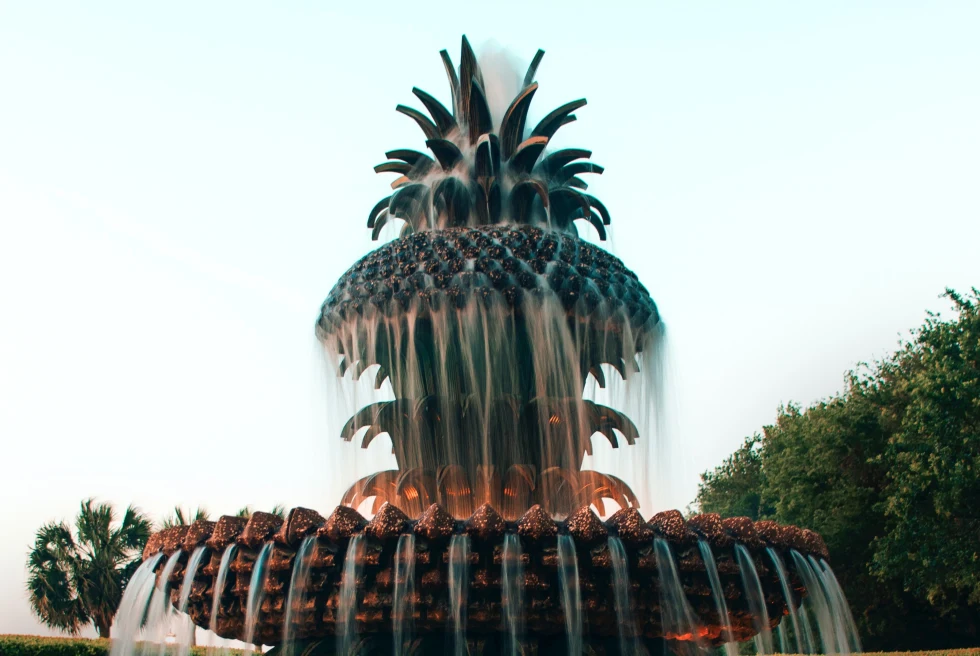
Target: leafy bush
24 645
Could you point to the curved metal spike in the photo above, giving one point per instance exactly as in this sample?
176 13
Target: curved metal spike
522 162
452 199
428 127
410 203
413 157
401 181
596 222
382 374
379 223
600 377
522 199
488 202
443 119
494 202
468 69
596 203
550 123
515 119
446 152
487 159
571 170
447 62
393 167
406 230
533 68
376 210
565 201
479 120
366 416
577 182
557 160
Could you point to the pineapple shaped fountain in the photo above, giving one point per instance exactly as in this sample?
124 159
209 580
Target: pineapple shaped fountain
491 329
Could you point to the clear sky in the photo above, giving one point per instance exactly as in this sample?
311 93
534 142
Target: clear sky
181 185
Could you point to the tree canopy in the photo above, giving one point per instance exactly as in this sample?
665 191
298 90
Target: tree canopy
77 578
887 471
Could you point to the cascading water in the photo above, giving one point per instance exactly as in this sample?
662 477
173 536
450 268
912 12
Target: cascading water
256 593
347 606
571 593
841 606
156 625
459 577
185 637
818 604
756 599
403 601
299 582
220 582
512 590
718 595
676 615
628 642
132 609
803 645
840 612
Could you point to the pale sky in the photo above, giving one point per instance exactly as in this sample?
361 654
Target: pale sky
181 185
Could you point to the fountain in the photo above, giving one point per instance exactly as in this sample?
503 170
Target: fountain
478 342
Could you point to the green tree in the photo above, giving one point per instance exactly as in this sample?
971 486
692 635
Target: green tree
278 510
933 486
887 472
77 578
734 489
180 518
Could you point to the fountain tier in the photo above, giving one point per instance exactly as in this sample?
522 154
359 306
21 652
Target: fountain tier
542 613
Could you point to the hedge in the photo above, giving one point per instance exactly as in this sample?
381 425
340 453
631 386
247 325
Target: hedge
21 645
25 645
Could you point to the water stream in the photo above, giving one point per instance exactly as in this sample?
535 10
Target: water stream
676 615
512 590
841 606
802 646
296 597
219 589
256 593
718 595
403 603
571 593
187 630
132 609
459 584
756 599
817 601
346 627
157 624
628 641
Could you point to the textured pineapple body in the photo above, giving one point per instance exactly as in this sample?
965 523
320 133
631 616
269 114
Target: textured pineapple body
508 263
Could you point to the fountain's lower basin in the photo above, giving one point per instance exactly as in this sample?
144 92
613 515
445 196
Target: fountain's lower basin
542 615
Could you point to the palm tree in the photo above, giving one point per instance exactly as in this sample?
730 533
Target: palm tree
178 518
279 510
74 579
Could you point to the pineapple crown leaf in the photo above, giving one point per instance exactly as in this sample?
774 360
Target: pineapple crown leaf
477 176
